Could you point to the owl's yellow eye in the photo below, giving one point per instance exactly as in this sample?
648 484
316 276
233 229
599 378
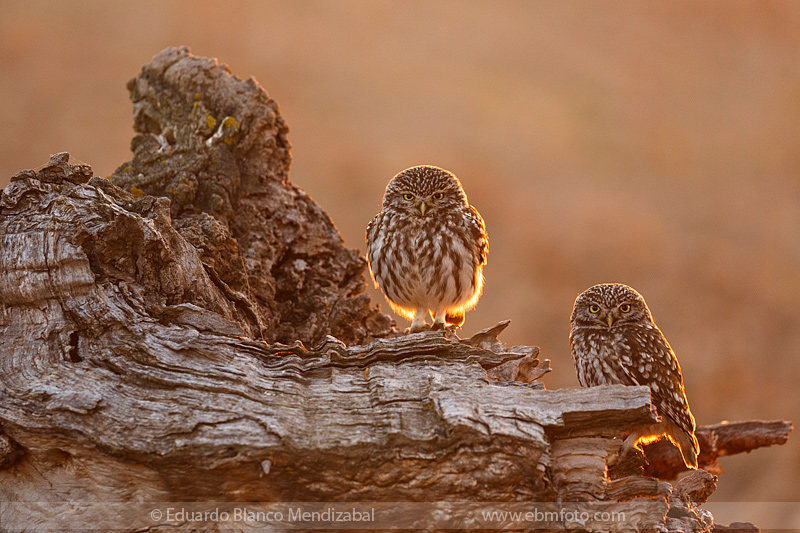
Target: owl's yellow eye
594 309
408 196
625 308
438 196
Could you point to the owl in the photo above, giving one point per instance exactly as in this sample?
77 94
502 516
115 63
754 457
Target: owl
615 341
427 247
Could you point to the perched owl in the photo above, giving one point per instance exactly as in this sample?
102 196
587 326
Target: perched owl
427 247
615 341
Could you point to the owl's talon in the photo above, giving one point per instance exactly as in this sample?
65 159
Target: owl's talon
417 329
438 326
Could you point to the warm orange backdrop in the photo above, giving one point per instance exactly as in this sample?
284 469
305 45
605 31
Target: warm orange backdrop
651 143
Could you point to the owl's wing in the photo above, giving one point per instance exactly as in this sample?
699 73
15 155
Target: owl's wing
370 228
654 364
477 230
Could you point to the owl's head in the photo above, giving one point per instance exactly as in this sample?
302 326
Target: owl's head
610 305
424 191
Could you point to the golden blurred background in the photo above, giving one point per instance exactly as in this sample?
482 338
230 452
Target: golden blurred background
650 143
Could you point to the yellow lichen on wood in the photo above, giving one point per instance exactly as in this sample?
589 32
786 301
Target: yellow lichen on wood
136 191
232 125
211 121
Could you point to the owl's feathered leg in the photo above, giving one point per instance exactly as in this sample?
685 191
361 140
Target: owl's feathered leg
439 320
631 443
418 324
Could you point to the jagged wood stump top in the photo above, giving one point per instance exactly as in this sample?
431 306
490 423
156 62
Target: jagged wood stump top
217 147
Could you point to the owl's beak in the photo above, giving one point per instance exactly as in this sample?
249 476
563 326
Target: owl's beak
422 208
610 320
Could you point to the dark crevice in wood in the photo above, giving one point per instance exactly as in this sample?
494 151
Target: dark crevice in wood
72 351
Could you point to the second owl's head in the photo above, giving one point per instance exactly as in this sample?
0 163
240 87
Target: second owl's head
424 190
610 305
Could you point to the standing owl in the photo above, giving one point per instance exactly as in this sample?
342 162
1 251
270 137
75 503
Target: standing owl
427 247
615 341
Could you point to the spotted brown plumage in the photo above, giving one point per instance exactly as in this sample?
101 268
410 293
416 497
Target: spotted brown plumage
615 341
427 247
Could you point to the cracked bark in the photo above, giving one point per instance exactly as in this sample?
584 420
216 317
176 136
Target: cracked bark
193 329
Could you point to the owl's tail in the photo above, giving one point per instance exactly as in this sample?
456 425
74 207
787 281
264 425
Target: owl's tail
454 319
687 443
